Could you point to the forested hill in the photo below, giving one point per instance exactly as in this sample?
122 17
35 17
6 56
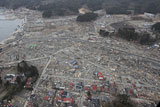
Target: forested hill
63 7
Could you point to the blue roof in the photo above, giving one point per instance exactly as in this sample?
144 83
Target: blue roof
73 62
76 66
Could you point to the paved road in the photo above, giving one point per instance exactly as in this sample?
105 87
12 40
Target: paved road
16 62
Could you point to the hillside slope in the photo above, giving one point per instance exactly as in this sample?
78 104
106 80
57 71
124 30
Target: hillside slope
66 7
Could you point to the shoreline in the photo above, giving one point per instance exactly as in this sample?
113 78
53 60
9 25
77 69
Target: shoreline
18 29
13 35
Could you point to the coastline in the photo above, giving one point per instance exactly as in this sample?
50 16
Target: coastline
13 35
10 38
18 29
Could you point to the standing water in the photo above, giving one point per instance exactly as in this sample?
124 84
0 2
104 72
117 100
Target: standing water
7 27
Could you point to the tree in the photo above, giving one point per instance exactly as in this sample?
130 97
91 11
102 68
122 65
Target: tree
22 67
60 12
156 27
95 4
103 33
117 10
121 101
18 80
89 94
34 72
146 39
71 6
47 13
128 34
2 2
87 17
158 104
1 81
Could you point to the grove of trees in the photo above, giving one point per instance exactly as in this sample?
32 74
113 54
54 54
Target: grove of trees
28 71
156 27
87 17
121 101
129 34
47 14
68 7
1 81
103 33
146 39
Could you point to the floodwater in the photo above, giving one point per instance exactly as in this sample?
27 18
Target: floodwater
7 27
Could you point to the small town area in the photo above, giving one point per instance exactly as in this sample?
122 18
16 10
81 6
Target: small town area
78 67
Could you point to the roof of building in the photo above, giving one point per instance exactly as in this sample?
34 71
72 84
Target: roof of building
46 98
94 87
68 100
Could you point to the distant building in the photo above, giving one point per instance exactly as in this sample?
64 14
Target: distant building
149 15
101 12
158 17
